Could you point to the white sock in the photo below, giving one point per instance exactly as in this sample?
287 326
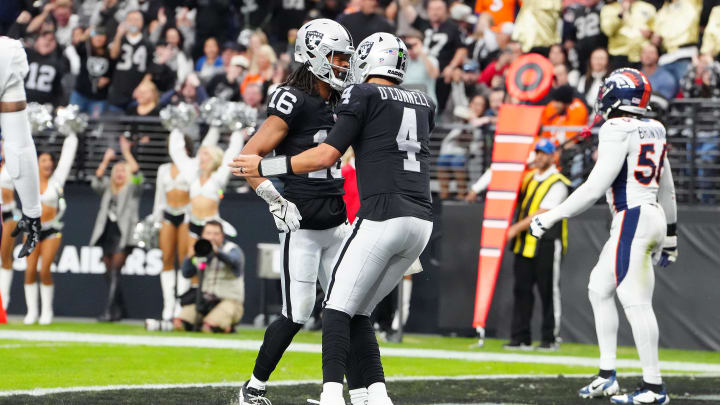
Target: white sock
46 299
31 301
646 335
606 326
377 389
6 276
332 390
358 396
407 294
183 284
167 284
257 384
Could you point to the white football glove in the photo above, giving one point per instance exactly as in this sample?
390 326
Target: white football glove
668 254
286 214
539 224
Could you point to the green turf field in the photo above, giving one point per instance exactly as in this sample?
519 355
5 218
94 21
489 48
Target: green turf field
61 362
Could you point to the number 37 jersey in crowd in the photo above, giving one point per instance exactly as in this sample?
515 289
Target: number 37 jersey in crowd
389 129
318 195
639 178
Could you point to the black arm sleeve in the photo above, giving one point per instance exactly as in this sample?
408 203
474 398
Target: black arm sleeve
344 132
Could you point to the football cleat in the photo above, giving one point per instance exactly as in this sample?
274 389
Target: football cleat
600 387
547 347
252 396
518 346
642 396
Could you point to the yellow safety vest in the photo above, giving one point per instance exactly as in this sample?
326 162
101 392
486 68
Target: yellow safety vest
532 193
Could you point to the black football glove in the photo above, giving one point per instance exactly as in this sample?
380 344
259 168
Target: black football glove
31 226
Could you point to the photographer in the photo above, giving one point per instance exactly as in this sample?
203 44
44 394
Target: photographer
222 283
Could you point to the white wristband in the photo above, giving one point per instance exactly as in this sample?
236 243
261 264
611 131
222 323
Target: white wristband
275 166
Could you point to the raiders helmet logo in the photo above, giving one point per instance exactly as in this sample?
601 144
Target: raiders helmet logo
364 50
97 66
312 39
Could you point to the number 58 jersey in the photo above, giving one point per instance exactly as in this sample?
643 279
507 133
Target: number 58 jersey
389 129
639 178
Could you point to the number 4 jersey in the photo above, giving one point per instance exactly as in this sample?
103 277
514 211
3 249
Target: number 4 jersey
389 129
318 195
639 178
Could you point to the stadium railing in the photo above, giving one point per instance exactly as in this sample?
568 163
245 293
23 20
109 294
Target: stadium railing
693 128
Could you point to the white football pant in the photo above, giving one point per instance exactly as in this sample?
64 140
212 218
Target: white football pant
308 256
625 267
373 260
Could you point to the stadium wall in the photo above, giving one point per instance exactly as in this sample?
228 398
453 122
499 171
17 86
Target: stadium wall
442 296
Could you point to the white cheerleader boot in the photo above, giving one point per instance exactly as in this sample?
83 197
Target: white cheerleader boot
46 300
31 301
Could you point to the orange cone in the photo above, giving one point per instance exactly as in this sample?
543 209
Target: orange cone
3 315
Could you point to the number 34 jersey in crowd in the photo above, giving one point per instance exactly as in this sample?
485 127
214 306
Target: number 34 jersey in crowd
389 129
639 178
318 195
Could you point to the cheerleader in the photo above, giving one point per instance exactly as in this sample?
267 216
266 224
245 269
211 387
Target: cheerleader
116 219
52 180
208 174
7 244
172 201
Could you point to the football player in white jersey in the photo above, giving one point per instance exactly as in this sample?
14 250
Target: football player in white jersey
20 156
633 170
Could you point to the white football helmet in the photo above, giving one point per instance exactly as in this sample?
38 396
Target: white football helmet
380 54
317 41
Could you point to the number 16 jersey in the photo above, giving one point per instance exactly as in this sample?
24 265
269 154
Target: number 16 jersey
389 129
318 195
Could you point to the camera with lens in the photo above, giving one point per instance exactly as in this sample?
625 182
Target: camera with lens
203 252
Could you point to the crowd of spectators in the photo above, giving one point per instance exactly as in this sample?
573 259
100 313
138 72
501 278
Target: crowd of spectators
135 56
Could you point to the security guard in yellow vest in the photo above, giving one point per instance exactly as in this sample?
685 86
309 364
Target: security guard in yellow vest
538 261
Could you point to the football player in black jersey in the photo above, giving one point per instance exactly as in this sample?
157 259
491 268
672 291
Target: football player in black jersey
389 129
310 212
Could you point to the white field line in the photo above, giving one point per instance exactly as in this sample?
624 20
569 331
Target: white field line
19 345
174 341
289 383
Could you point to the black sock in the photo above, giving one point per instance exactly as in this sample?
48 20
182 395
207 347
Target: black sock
335 345
278 336
366 350
353 372
652 387
606 373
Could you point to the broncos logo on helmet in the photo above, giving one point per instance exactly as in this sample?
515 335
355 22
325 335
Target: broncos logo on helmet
626 90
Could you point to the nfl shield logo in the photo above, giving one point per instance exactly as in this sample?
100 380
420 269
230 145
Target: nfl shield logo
312 39
364 50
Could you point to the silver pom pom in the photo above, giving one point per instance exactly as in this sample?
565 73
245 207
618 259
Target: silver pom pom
40 116
70 120
182 116
232 117
146 233
168 117
237 116
212 111
250 117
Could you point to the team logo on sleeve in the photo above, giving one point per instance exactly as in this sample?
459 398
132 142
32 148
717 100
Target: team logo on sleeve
364 50
312 39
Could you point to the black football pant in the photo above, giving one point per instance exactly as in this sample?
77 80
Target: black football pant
544 271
